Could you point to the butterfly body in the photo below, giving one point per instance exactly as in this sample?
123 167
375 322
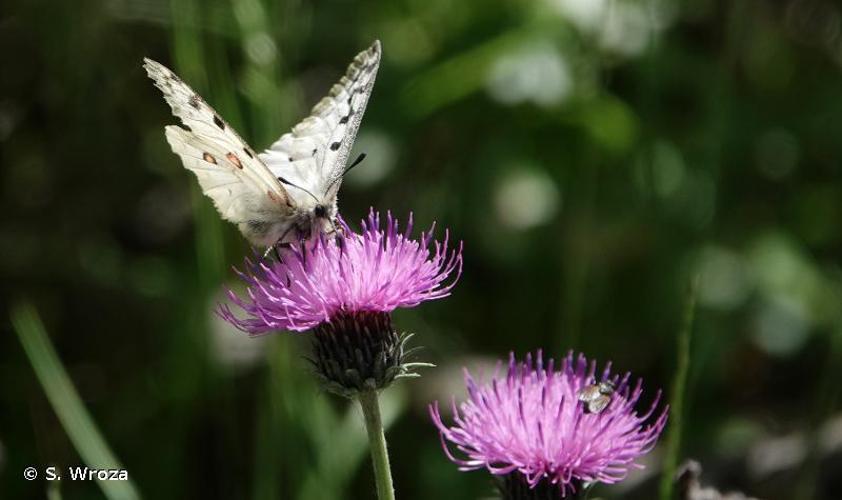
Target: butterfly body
289 191
267 228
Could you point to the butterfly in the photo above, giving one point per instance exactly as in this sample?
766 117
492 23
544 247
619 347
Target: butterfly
289 191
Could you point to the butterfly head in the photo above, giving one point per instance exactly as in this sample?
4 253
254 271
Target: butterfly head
319 218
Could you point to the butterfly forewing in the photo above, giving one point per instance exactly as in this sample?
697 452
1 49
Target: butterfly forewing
349 105
315 153
233 195
206 132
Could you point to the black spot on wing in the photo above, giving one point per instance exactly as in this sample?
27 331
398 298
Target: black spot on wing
344 119
187 128
335 145
218 121
251 155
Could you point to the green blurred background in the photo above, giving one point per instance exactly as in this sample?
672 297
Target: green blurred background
594 156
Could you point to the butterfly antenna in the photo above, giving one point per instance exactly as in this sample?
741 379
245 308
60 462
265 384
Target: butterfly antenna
356 162
288 183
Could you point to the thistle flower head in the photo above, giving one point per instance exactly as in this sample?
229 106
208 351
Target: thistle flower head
345 288
530 427
375 270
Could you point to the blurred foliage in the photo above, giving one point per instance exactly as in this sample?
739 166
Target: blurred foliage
592 154
75 420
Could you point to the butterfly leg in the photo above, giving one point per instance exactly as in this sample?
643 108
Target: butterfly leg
337 232
279 243
274 250
303 253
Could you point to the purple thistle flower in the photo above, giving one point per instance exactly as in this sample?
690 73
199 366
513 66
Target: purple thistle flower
376 270
531 427
345 289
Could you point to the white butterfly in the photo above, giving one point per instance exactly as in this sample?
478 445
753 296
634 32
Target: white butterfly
289 190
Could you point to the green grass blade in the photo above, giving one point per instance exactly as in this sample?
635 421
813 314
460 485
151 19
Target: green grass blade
190 59
53 491
679 389
64 399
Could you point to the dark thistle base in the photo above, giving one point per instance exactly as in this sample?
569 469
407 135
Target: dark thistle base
514 487
360 352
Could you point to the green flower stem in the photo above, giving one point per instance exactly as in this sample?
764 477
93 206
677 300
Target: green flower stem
679 391
377 441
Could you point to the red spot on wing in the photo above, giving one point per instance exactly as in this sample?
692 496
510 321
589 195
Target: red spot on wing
233 159
274 197
209 158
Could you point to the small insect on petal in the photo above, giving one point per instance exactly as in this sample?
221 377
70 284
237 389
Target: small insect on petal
598 404
596 397
589 393
233 159
606 387
209 158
